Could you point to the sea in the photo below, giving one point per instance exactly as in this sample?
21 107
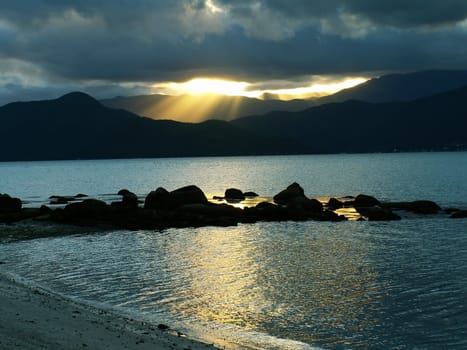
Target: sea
269 285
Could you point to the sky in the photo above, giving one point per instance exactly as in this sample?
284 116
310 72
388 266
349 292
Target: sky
289 47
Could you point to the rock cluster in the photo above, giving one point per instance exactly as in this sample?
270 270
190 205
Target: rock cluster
189 207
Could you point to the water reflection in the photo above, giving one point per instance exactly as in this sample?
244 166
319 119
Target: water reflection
261 279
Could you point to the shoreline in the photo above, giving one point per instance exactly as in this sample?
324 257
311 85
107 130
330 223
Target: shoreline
33 318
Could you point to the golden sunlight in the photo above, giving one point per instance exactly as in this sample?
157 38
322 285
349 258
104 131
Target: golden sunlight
207 86
217 86
317 90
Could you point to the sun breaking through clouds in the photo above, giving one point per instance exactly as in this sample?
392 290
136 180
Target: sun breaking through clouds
109 48
235 88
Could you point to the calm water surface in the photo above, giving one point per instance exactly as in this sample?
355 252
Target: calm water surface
346 285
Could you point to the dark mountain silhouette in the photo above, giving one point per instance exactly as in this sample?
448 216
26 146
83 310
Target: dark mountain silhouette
199 108
77 126
431 123
387 88
401 87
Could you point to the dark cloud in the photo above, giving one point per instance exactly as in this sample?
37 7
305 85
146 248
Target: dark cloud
110 46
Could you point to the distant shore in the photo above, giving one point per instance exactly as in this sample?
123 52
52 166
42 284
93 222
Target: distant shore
34 319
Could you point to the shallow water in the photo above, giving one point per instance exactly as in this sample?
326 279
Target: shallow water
398 176
290 285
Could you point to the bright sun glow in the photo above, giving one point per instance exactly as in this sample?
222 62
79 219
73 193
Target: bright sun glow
240 88
205 86
205 98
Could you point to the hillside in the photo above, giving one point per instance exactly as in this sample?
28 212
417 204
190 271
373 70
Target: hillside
401 87
437 122
76 126
198 108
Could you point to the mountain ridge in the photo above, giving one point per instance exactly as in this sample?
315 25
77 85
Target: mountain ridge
430 123
76 126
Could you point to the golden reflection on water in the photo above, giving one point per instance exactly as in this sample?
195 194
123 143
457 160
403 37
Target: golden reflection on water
310 274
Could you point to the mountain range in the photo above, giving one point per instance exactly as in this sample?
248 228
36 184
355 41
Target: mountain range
76 126
197 108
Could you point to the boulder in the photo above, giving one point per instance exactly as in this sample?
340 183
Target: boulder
362 200
251 194
459 214
87 209
304 204
187 195
419 207
158 199
328 215
334 204
129 199
376 213
9 204
210 209
290 193
234 194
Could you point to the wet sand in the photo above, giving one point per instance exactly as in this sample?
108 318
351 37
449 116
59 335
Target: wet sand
32 319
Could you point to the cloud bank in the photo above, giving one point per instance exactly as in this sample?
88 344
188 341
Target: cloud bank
123 46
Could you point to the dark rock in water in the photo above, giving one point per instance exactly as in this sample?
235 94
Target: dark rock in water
291 192
328 215
187 195
459 214
305 204
419 207
377 213
58 200
210 209
234 193
362 200
158 199
81 195
9 204
129 199
334 204
251 194
87 209
265 211
162 326
161 199
218 198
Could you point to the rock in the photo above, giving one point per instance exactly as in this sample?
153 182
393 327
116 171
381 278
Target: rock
362 200
158 199
187 195
305 204
9 204
328 215
459 214
334 204
419 207
251 194
161 199
58 200
291 192
87 209
234 194
211 209
129 199
376 213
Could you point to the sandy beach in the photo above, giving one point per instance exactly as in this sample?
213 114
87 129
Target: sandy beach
34 319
